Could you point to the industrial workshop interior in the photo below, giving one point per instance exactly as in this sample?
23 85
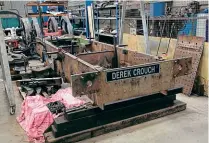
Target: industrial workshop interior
105 71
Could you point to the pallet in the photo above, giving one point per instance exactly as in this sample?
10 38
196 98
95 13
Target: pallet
93 132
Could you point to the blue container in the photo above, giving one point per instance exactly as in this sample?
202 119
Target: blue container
61 8
189 28
44 9
157 9
34 9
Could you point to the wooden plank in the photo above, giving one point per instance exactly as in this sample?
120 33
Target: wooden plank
203 68
177 107
105 92
45 14
46 4
189 46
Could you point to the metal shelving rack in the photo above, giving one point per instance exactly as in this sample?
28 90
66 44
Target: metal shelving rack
97 18
80 9
120 11
170 19
43 4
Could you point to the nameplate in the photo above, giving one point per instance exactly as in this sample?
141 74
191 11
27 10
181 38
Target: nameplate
132 72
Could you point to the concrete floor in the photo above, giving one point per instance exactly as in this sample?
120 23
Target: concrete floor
10 130
189 126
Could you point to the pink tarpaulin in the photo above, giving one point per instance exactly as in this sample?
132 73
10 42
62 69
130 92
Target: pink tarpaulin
35 116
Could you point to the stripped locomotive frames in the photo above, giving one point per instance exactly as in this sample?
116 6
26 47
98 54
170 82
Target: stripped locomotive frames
88 75
122 84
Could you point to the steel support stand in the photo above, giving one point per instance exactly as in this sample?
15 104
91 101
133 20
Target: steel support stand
117 21
122 21
6 72
145 30
87 3
41 21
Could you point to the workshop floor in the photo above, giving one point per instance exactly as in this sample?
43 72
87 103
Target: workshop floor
190 125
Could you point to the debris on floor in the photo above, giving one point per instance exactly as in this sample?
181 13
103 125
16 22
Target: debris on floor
36 117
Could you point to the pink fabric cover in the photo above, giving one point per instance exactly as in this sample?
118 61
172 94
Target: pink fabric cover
35 116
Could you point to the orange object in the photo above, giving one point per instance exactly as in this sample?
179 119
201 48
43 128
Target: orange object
58 33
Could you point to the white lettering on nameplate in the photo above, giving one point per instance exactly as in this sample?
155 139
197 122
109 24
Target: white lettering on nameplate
132 72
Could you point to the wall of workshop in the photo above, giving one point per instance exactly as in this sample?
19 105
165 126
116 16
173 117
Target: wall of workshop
9 21
19 5
179 4
136 42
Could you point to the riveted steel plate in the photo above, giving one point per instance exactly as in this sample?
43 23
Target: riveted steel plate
123 88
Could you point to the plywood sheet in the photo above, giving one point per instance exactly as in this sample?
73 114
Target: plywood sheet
189 46
136 43
203 68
